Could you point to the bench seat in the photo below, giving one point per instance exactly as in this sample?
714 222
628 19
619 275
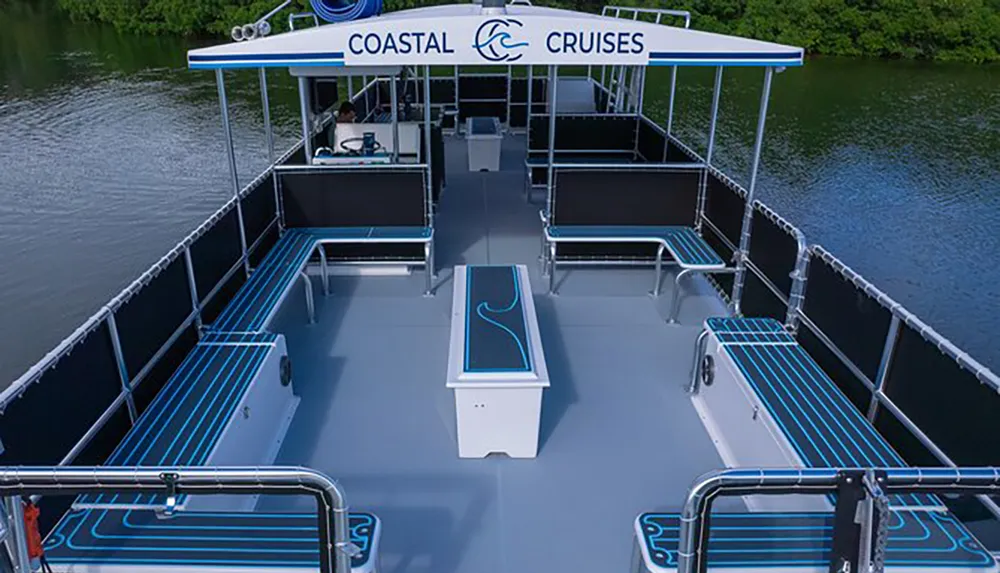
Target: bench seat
184 424
253 307
803 542
818 420
687 248
103 540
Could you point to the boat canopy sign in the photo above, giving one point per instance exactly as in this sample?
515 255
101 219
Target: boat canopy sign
465 34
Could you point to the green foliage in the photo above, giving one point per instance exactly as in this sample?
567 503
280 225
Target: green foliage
967 30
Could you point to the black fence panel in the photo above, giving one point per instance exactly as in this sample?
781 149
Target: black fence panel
956 411
650 142
325 94
496 109
519 90
601 99
95 453
723 282
374 252
151 317
774 251
52 414
903 441
442 91
349 198
853 321
264 245
518 115
640 197
482 87
584 132
760 301
677 154
842 376
297 157
213 307
215 252
158 375
724 207
259 209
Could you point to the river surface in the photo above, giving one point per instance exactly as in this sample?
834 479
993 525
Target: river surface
111 151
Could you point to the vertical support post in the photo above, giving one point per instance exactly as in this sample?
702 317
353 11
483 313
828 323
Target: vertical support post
715 115
527 112
350 88
306 127
193 289
394 96
15 521
458 108
883 368
116 347
266 104
428 148
510 84
553 81
670 111
713 122
741 265
619 88
641 83
228 133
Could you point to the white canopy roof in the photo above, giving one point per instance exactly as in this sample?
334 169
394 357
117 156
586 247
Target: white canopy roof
466 34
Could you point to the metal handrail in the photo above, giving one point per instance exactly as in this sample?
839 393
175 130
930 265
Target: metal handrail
659 12
694 525
331 505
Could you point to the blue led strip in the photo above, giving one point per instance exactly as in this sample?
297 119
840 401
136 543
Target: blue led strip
483 307
916 539
95 537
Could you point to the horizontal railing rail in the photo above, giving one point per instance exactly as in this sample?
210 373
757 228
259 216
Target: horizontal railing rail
335 548
694 523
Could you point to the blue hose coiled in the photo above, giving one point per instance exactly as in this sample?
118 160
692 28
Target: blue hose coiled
346 10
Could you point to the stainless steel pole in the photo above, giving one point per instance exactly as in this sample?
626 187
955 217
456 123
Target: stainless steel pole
306 122
394 96
715 115
703 183
670 111
15 519
116 348
510 83
350 88
335 546
553 80
268 130
428 148
193 289
694 534
741 266
527 113
228 132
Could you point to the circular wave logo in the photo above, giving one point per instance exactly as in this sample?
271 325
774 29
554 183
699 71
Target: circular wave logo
495 42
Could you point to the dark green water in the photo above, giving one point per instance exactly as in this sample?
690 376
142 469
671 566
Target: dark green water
111 151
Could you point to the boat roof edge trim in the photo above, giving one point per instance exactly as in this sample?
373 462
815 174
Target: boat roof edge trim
457 35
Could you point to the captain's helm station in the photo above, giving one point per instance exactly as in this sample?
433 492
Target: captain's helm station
494 412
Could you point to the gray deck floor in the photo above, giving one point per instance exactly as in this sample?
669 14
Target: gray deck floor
619 436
